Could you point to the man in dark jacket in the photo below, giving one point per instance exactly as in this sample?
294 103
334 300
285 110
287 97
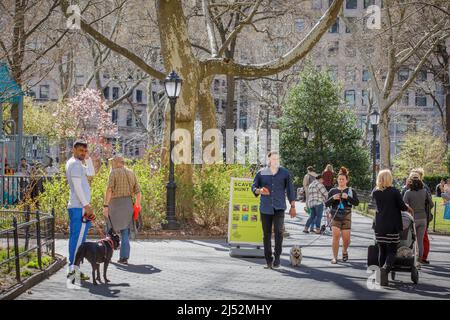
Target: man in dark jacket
273 183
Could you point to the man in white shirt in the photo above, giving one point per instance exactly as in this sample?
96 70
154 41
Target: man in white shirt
80 211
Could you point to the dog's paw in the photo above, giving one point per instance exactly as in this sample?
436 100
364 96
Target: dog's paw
107 280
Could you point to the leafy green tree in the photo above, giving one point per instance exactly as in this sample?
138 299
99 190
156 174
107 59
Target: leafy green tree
334 137
421 150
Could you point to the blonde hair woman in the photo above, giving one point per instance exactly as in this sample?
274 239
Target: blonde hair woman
388 221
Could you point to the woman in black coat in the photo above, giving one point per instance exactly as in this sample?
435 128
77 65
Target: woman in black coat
388 221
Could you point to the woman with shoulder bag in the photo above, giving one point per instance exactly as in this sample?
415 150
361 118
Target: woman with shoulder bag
341 199
122 196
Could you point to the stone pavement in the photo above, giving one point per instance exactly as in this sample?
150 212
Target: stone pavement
203 269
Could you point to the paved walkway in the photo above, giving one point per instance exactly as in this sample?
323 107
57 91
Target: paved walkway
194 269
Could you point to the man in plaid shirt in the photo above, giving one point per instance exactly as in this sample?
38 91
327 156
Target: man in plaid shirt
317 194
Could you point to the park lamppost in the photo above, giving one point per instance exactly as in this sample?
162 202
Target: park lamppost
172 85
374 119
305 134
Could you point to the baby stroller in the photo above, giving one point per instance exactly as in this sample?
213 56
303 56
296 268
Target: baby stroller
406 258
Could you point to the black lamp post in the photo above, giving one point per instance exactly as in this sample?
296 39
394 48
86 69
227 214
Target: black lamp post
374 119
305 134
172 85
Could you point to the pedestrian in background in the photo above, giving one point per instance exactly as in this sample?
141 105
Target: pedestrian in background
440 188
428 206
328 177
317 196
416 197
309 177
122 194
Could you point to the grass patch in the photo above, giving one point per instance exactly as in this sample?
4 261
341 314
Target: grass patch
442 226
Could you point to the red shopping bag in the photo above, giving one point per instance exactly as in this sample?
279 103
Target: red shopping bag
136 210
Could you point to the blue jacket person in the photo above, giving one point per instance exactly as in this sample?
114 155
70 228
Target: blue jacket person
273 183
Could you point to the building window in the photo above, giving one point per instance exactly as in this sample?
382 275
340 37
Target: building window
421 99
365 75
405 98
351 4
106 92
243 122
129 118
350 49
216 85
364 98
137 120
299 24
351 20
368 3
44 90
115 93
114 115
403 74
335 27
350 97
422 75
333 48
139 96
350 73
333 71
317 4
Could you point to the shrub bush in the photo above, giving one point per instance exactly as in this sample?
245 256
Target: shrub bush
212 193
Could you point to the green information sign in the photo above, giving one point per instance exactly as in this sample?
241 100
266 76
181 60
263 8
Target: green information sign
244 221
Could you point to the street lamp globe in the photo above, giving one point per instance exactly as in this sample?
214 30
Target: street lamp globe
172 84
374 118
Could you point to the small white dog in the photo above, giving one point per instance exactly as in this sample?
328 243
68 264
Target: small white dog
296 256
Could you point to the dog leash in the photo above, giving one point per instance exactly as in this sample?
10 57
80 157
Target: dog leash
318 237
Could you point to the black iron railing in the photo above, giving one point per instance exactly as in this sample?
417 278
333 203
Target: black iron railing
16 188
22 233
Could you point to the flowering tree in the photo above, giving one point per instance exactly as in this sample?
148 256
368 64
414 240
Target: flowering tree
85 116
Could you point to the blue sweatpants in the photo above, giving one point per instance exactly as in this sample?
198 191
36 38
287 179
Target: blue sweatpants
77 231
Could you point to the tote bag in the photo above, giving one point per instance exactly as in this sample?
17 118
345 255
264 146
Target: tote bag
447 211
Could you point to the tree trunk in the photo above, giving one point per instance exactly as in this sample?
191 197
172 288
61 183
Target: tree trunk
178 56
385 141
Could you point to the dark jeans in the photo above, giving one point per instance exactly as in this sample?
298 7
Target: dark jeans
386 257
277 220
315 218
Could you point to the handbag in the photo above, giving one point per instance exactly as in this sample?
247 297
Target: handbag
137 219
447 211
